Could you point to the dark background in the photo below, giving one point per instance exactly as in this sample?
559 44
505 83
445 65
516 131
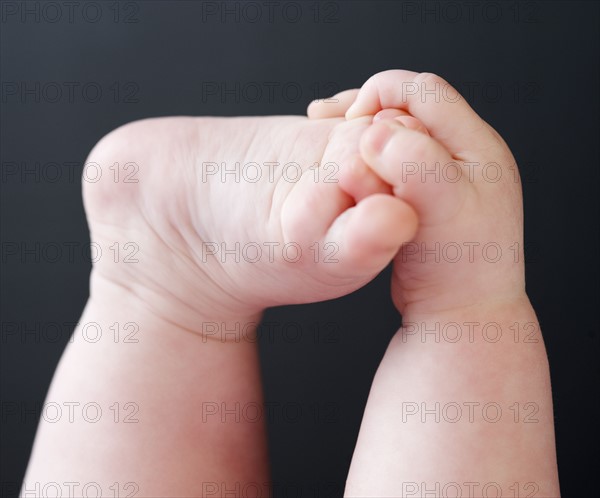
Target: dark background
529 68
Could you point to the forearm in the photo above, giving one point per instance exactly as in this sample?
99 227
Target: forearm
463 397
172 404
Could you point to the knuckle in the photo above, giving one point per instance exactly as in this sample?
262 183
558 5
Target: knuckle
432 79
383 81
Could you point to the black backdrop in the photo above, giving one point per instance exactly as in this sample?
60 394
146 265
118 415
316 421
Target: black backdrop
71 74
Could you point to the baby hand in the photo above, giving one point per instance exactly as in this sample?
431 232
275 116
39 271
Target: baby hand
462 180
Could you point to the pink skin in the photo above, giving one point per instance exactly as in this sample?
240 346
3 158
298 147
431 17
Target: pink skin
175 368
414 136
399 455
196 313
401 117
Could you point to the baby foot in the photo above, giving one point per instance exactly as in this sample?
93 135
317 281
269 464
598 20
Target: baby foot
234 215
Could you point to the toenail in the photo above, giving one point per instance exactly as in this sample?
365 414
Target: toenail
387 129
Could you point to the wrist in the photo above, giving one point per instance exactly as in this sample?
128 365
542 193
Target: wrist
507 320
